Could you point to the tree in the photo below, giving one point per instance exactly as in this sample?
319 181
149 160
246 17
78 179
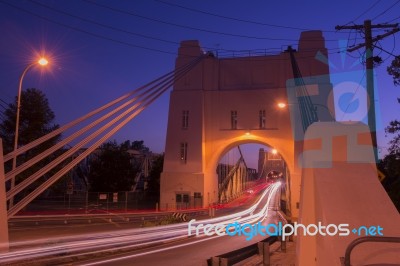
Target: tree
111 170
394 128
153 186
391 162
137 145
36 120
394 70
115 167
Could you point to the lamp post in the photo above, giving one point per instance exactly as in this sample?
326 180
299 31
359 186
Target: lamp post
282 105
42 62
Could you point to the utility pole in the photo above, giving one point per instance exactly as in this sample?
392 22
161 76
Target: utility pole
368 44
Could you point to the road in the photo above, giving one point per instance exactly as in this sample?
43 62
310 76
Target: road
131 246
193 251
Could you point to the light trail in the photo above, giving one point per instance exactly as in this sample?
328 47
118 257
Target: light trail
138 237
152 252
263 212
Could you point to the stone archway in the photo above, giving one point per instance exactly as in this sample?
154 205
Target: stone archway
227 101
260 150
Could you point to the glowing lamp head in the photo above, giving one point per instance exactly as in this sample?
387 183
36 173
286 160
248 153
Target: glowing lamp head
281 105
43 61
247 134
274 151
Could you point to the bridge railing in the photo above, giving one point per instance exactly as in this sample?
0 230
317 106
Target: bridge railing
82 202
262 248
138 218
383 239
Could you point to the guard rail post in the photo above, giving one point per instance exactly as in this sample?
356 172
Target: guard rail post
263 249
215 261
283 245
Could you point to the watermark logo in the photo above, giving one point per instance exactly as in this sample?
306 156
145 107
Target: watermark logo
283 230
342 92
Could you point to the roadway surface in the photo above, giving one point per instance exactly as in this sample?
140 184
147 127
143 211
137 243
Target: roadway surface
163 251
192 251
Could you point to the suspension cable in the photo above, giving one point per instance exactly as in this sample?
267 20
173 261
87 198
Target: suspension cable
153 93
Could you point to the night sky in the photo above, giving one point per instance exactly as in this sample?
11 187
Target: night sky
99 50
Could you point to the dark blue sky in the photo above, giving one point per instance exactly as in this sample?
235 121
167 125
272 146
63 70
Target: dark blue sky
98 50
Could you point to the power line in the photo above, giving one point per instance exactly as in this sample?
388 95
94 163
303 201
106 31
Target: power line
380 14
103 25
383 50
115 28
368 44
122 42
393 19
183 26
130 13
365 12
239 19
230 18
87 32
352 98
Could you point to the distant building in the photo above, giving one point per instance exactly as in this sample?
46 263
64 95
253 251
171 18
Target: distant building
79 182
269 161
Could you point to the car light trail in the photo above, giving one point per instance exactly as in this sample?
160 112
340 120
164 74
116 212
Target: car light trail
138 237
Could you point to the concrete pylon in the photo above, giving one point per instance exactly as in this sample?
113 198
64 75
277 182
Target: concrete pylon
4 244
340 186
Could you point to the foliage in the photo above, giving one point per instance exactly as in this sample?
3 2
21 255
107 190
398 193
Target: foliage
394 70
36 120
394 193
391 162
111 170
137 145
394 128
377 61
153 186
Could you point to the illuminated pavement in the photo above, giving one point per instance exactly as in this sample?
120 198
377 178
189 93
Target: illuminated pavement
278 257
104 238
194 251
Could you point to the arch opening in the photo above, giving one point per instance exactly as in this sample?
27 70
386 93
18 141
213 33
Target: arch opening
243 166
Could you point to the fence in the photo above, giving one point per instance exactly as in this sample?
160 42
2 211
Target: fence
93 202
103 202
183 203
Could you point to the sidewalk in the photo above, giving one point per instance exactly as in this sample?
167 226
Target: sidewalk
278 257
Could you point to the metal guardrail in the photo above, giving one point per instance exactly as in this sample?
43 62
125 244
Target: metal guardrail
125 217
354 243
238 255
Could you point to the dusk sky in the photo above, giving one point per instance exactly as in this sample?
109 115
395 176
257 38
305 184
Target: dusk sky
99 50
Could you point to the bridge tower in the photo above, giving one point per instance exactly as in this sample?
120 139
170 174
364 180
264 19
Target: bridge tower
227 101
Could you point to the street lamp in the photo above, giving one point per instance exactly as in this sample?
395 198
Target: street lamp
42 62
282 105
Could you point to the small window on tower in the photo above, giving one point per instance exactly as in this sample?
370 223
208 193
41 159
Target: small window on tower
233 119
262 119
183 152
185 119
